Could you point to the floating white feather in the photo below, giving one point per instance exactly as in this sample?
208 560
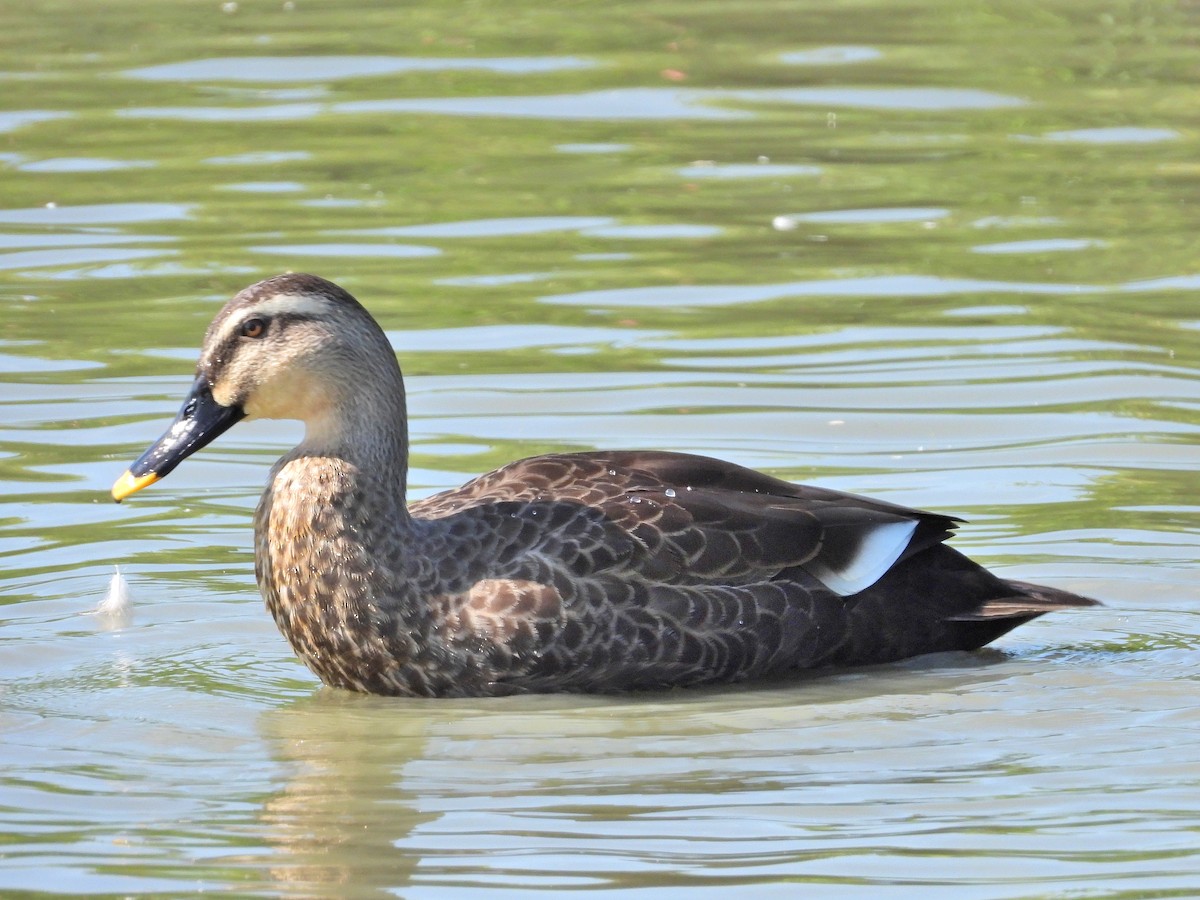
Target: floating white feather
118 602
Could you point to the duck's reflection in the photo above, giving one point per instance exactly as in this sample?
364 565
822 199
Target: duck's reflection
335 822
381 794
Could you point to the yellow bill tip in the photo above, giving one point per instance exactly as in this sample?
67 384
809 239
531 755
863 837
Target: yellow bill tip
130 484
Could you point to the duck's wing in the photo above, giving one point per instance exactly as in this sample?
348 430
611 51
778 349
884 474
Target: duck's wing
848 541
682 518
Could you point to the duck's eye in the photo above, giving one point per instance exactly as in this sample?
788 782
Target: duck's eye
254 328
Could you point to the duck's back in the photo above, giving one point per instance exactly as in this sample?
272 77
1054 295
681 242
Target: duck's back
608 571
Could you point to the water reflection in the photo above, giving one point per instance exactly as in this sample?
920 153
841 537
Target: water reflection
827 56
870 286
72 239
483 228
755 170
264 187
330 68
614 104
1118 135
562 792
134 271
36 259
283 112
931 99
532 336
72 164
881 216
315 251
1047 245
11 121
658 104
97 214
333 825
593 148
259 157
664 231
497 280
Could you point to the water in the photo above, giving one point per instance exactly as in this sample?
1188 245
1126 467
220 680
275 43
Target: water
942 254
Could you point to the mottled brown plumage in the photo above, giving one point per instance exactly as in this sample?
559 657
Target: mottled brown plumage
569 572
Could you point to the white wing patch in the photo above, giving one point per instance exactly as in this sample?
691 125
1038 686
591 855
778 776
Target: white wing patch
879 548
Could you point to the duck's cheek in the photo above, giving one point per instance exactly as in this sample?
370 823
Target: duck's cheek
258 406
287 398
225 395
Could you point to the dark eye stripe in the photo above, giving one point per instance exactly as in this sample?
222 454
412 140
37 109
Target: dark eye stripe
217 357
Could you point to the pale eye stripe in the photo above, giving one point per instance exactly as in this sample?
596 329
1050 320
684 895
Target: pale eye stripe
292 305
298 305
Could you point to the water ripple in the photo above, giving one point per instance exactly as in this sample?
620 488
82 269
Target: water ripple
382 251
37 259
482 228
613 104
331 68
830 56
1046 245
748 170
1116 135
868 286
97 214
12 120
71 164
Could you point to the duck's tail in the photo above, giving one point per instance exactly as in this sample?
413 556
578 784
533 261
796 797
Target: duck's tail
1026 602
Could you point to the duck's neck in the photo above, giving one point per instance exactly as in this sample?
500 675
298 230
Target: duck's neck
366 426
334 550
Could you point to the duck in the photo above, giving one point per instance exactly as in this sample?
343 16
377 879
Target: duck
599 571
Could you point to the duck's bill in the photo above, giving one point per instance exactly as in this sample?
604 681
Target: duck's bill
199 421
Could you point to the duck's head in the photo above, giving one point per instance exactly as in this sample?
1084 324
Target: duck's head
290 347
